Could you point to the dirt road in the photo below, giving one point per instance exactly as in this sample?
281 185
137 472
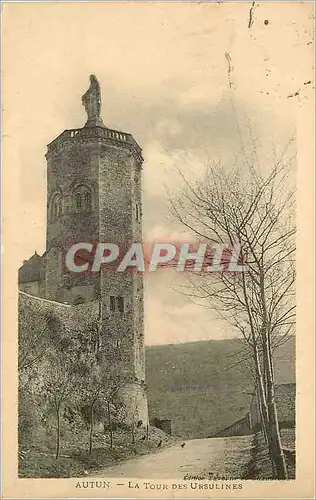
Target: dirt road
206 458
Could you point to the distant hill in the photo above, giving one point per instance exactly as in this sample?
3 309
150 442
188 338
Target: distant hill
202 386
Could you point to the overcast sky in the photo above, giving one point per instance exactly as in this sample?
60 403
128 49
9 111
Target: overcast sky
164 78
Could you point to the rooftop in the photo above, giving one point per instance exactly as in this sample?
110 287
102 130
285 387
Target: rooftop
31 269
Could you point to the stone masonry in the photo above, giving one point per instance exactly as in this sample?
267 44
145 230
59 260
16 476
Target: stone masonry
94 195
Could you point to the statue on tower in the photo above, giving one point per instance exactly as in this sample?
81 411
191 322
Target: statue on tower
91 100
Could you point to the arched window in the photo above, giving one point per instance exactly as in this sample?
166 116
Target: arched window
88 201
78 202
59 209
56 209
82 199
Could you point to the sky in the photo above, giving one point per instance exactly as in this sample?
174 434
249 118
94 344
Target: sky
164 78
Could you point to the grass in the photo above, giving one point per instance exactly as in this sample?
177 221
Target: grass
75 461
259 466
201 387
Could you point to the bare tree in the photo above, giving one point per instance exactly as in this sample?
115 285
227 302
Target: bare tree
252 210
59 385
90 390
114 384
61 377
112 381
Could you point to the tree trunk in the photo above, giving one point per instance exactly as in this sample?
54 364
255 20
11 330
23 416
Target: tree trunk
277 450
110 424
264 430
261 394
133 434
91 428
276 445
99 326
57 432
263 408
147 432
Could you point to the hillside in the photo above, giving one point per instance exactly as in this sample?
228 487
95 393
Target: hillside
202 386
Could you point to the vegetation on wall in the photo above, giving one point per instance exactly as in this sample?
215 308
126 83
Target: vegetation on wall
66 385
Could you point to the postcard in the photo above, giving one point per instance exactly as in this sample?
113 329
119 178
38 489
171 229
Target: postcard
157 250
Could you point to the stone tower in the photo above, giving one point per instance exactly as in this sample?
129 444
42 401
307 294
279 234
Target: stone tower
94 195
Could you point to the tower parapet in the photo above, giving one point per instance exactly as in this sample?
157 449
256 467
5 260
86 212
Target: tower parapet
114 137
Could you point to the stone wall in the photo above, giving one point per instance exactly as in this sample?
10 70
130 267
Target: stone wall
242 427
120 223
36 317
119 194
134 400
32 288
285 401
53 271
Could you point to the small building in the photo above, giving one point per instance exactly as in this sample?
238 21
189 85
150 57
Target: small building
164 424
31 275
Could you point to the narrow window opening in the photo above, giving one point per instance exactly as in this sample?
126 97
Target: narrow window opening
56 207
78 201
54 210
137 212
88 201
59 209
112 303
120 304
